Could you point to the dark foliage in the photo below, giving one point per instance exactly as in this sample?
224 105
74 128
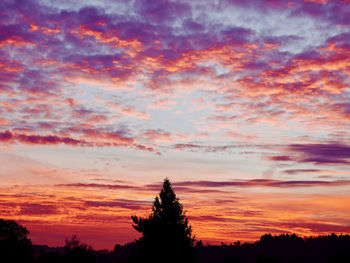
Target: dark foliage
14 243
166 234
73 251
76 251
123 253
283 248
49 256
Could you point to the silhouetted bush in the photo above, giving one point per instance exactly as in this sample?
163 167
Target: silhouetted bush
76 251
123 253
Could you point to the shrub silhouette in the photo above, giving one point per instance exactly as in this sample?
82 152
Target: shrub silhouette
14 244
76 251
166 234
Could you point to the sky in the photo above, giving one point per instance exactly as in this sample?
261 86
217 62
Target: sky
243 105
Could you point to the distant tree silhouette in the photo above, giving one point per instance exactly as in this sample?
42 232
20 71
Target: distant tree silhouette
166 234
76 251
14 243
283 248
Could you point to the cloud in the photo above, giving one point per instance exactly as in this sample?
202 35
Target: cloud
59 49
187 146
8 136
157 135
261 183
204 186
279 158
212 218
241 136
121 203
316 9
206 148
102 139
316 227
102 186
308 171
228 148
38 209
163 11
330 153
47 139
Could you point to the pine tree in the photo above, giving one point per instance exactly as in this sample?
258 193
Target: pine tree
166 233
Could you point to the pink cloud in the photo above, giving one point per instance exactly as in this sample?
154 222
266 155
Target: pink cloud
116 139
157 136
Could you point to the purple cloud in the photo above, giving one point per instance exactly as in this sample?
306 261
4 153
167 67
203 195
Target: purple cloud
280 158
317 227
317 153
122 203
260 183
331 153
38 209
298 171
162 11
6 136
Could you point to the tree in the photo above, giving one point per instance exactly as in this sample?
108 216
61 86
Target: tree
14 244
166 234
76 251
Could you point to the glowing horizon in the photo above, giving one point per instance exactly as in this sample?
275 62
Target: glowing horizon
244 105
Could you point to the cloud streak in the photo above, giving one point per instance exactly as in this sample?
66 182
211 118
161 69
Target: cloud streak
325 153
116 139
262 183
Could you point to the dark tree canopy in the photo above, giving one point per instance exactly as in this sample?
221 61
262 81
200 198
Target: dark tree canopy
76 251
14 243
166 234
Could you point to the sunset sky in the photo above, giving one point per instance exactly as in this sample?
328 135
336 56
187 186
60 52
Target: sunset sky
244 105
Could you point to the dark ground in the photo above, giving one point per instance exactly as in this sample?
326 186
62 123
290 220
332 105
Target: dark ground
272 249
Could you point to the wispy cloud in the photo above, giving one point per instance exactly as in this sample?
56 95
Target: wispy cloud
261 183
326 153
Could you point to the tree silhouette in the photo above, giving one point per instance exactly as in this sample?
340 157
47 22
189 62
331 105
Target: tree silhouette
166 234
76 251
14 244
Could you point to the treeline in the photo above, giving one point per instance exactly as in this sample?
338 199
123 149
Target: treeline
284 248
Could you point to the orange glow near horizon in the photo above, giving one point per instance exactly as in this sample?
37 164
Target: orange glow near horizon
101 215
